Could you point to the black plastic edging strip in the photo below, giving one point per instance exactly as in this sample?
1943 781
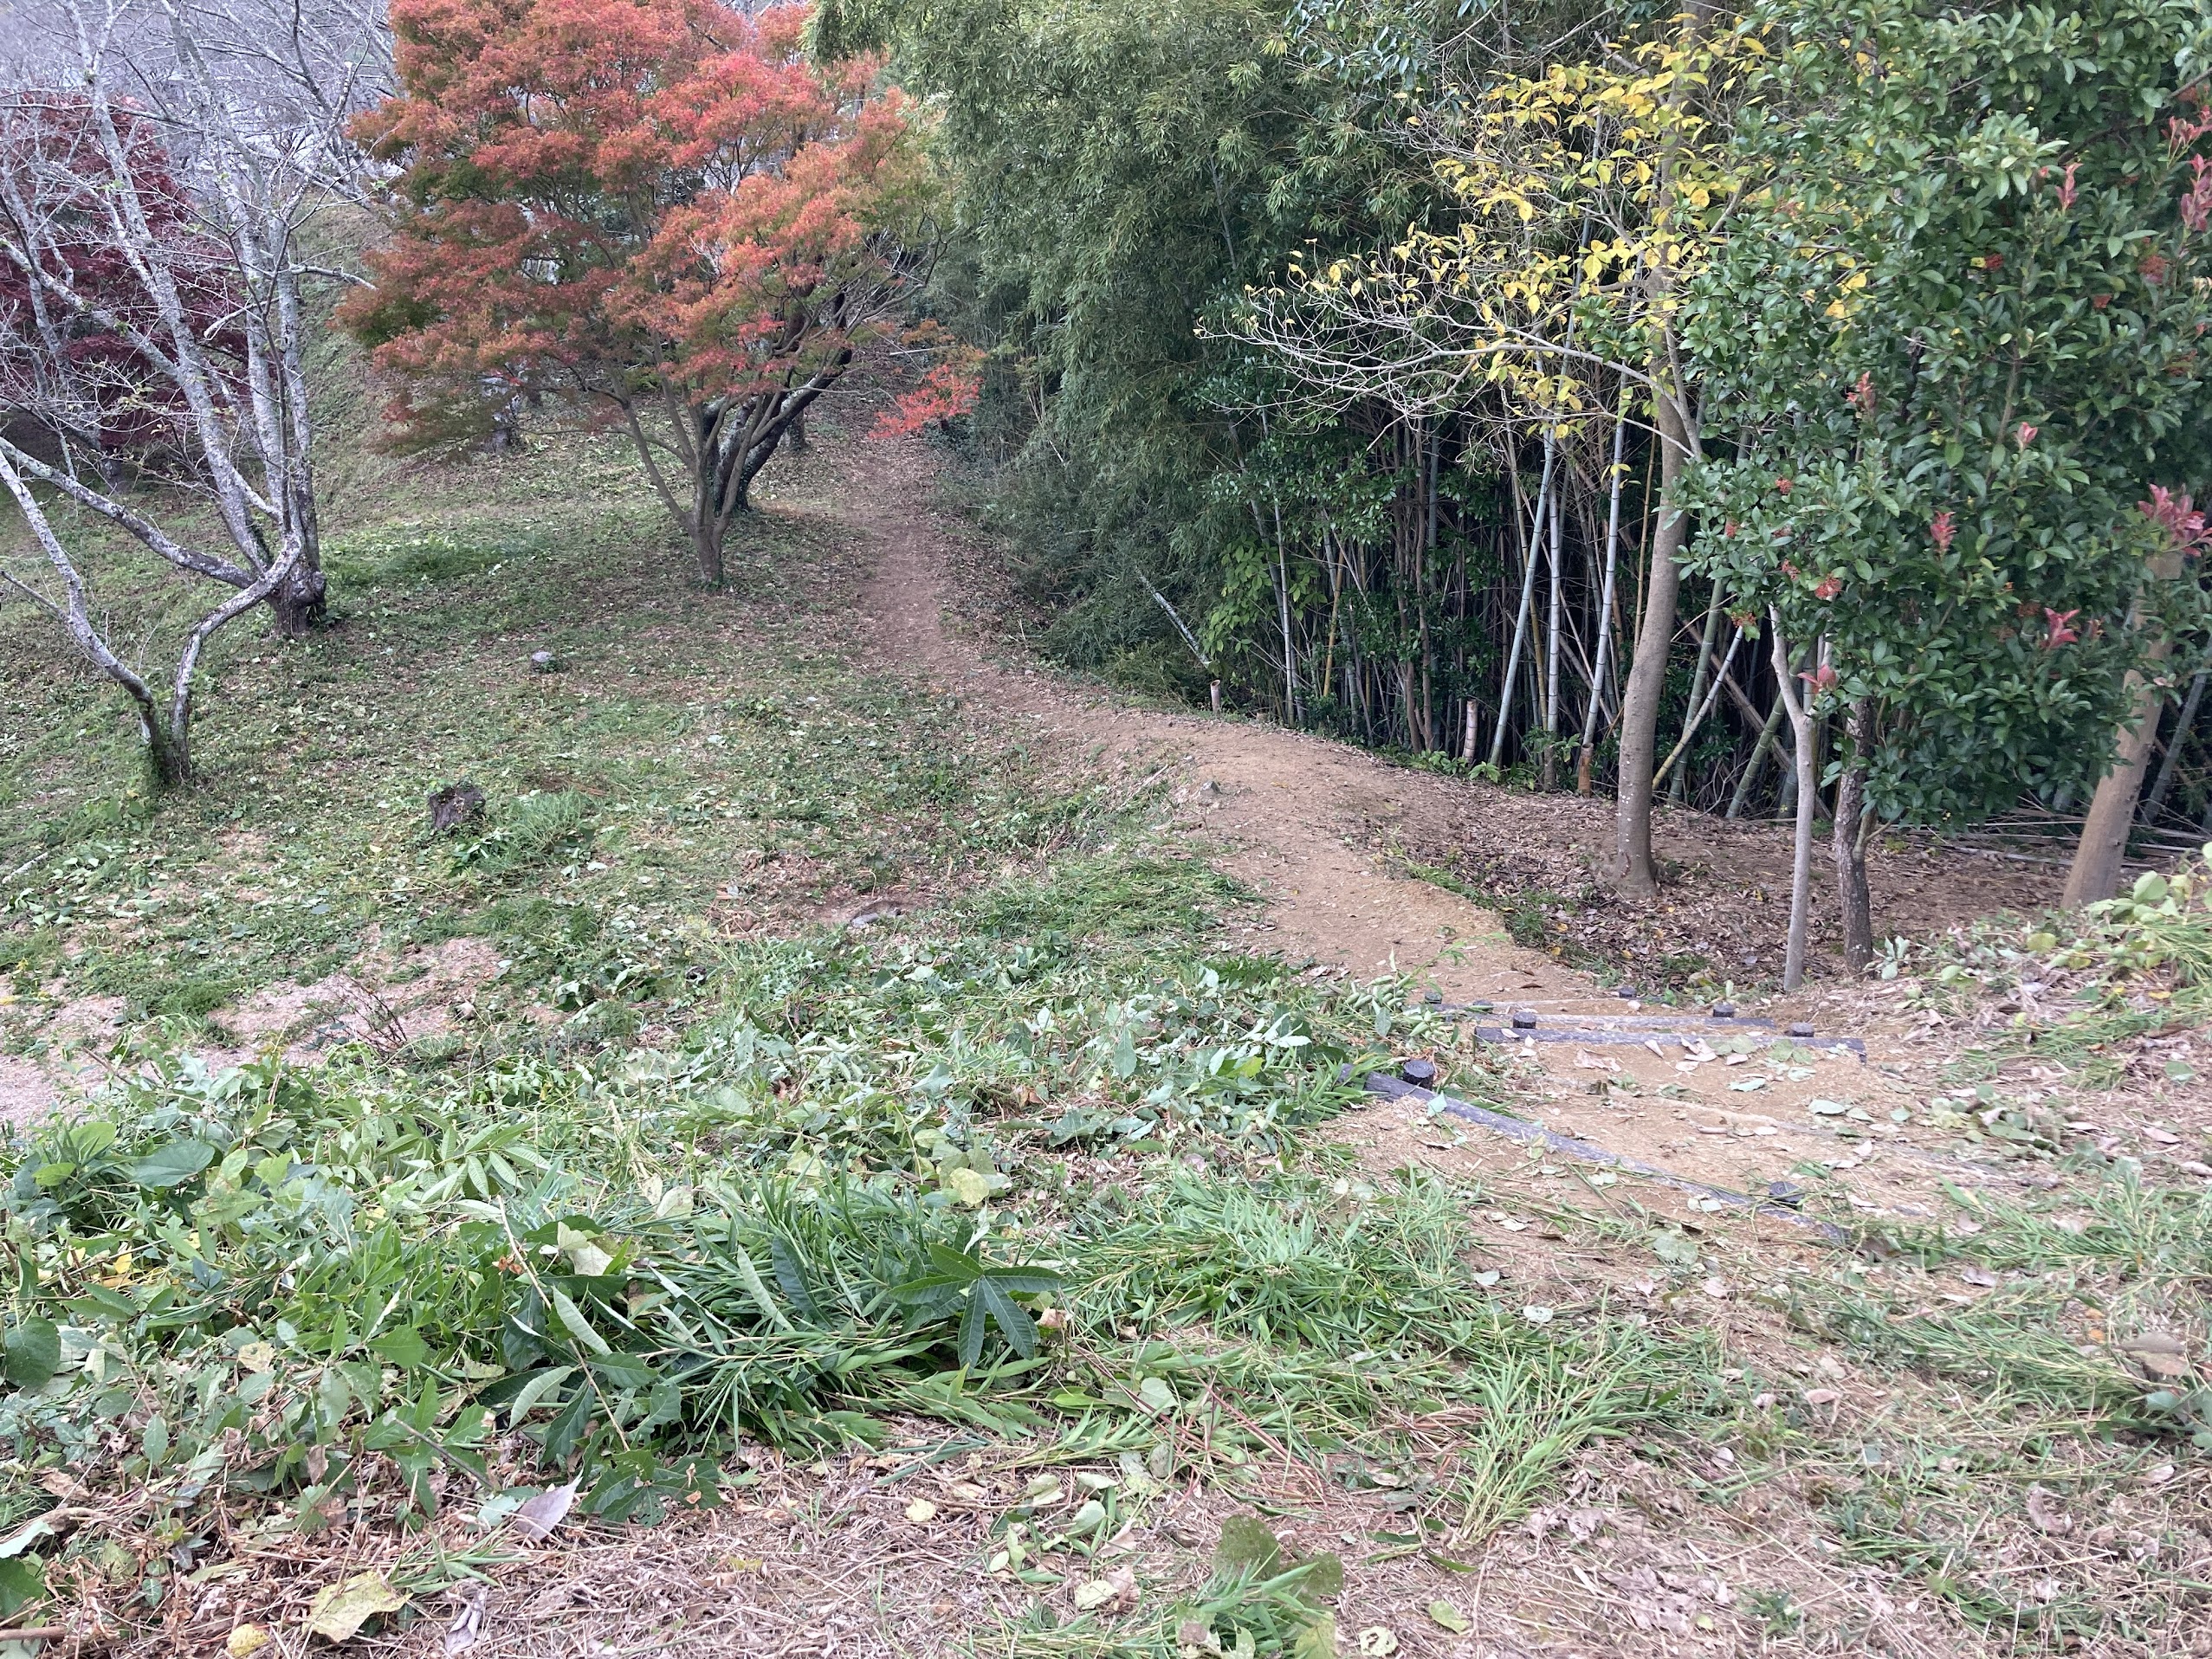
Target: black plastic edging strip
1535 1135
1597 1038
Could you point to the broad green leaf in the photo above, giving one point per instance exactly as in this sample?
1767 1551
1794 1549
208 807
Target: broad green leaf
1324 1576
1248 1545
32 1353
22 1581
172 1163
534 1392
338 1613
757 1287
624 1372
573 1320
403 1347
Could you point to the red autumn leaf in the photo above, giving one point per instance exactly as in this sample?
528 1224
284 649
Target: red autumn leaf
948 390
664 211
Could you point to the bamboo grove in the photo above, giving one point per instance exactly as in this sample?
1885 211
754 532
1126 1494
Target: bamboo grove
1665 405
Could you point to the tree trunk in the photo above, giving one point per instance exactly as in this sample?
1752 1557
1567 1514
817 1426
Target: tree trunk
299 602
1809 803
1583 761
1647 682
1850 841
706 548
2102 848
168 746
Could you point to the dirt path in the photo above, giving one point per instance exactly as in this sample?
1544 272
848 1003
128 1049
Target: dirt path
1287 806
1291 812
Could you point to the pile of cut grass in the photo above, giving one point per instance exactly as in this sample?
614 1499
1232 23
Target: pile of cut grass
374 1297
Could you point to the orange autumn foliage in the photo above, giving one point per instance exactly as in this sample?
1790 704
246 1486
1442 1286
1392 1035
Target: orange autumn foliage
658 210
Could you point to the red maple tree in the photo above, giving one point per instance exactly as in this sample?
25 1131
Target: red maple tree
659 209
73 356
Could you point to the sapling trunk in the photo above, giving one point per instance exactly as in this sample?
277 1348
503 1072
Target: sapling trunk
1582 763
2102 848
1646 683
1850 840
1808 802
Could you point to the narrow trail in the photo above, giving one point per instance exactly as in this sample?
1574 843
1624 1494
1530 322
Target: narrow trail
1286 806
1293 815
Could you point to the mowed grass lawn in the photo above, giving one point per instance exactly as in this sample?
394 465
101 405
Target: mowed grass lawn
699 765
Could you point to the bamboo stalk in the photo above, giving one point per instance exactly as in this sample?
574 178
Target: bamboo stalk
1605 600
2156 800
1528 592
1678 788
1551 659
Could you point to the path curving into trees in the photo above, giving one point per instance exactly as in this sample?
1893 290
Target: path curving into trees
1285 807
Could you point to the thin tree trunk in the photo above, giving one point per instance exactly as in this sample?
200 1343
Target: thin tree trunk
1800 869
1584 760
2155 802
2102 848
1851 840
1551 656
1639 709
168 745
1677 787
298 603
1528 596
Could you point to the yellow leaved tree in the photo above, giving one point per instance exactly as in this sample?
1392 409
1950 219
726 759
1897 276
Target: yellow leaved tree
1588 199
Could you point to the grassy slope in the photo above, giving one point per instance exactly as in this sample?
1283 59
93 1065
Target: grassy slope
691 1125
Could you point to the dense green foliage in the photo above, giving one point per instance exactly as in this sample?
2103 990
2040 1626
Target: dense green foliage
1954 342
1357 558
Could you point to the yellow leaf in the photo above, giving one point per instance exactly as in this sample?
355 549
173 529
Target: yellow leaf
340 1611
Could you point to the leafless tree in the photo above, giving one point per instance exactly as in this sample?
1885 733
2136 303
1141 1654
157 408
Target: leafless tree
162 165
